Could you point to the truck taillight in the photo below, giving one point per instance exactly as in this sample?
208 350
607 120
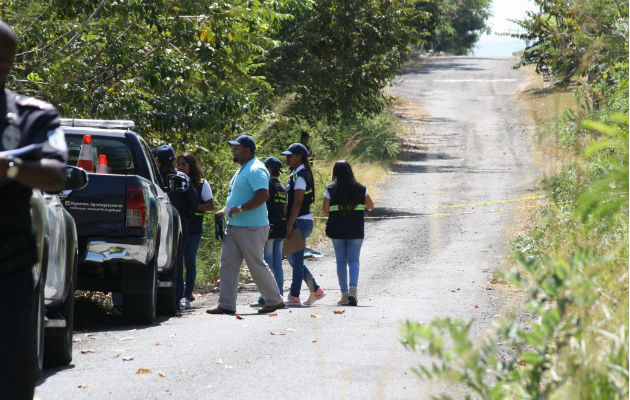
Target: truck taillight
136 208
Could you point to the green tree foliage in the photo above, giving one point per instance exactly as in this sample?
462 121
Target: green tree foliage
335 56
455 25
175 67
576 37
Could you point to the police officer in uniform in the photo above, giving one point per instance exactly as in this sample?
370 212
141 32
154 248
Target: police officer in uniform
23 121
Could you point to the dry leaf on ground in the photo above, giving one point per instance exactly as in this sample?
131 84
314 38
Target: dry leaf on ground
315 316
239 317
339 311
87 351
277 333
143 371
273 314
128 358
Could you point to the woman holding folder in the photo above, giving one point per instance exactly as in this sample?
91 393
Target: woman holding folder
301 192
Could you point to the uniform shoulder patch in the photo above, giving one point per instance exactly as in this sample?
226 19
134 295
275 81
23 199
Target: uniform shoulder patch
25 101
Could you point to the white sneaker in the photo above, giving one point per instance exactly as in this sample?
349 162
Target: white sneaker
187 303
314 296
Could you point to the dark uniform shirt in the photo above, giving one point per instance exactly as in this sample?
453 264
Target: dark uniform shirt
185 202
24 121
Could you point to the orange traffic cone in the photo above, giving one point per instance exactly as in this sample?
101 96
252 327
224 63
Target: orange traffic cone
101 167
85 155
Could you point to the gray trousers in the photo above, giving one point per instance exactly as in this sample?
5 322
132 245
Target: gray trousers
245 242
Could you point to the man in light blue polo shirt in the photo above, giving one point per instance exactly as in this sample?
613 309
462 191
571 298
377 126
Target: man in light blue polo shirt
247 230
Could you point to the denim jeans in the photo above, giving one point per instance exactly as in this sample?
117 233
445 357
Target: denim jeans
273 258
347 253
191 246
296 260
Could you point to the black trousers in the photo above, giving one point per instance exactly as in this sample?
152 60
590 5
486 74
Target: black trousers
18 362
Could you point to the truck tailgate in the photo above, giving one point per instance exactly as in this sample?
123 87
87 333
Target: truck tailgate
99 208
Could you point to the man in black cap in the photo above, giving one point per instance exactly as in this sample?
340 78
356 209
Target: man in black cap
247 230
24 121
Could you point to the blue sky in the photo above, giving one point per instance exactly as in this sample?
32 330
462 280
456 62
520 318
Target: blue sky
493 45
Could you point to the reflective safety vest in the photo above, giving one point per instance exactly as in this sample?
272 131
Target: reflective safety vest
275 209
308 193
345 225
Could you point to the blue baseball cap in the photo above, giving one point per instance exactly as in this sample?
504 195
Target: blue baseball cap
165 152
296 148
245 141
273 163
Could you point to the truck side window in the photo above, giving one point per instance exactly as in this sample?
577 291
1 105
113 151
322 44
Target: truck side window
155 174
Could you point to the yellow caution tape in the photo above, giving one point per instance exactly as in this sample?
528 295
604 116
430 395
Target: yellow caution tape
473 204
439 214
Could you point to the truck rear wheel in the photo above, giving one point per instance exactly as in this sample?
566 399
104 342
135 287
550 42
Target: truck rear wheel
141 307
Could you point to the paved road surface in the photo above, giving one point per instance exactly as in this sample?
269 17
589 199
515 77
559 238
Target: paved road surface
468 146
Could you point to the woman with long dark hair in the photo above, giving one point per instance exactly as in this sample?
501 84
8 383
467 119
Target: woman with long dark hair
301 192
188 164
345 203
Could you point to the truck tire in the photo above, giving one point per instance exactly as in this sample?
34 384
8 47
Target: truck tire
141 308
167 298
58 348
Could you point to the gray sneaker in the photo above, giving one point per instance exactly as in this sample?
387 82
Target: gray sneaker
259 303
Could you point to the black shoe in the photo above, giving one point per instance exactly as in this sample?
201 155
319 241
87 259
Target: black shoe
271 308
352 300
220 310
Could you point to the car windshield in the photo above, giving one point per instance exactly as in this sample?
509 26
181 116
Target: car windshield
120 159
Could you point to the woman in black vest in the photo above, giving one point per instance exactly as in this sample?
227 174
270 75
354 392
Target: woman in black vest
301 192
345 202
188 164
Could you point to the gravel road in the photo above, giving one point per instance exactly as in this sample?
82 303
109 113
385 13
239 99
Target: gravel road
466 145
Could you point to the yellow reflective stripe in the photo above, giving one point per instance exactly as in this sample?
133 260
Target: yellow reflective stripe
360 207
199 213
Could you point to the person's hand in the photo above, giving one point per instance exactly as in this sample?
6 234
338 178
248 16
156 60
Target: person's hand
234 210
220 213
289 232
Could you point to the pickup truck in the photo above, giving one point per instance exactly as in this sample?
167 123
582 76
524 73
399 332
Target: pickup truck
129 232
